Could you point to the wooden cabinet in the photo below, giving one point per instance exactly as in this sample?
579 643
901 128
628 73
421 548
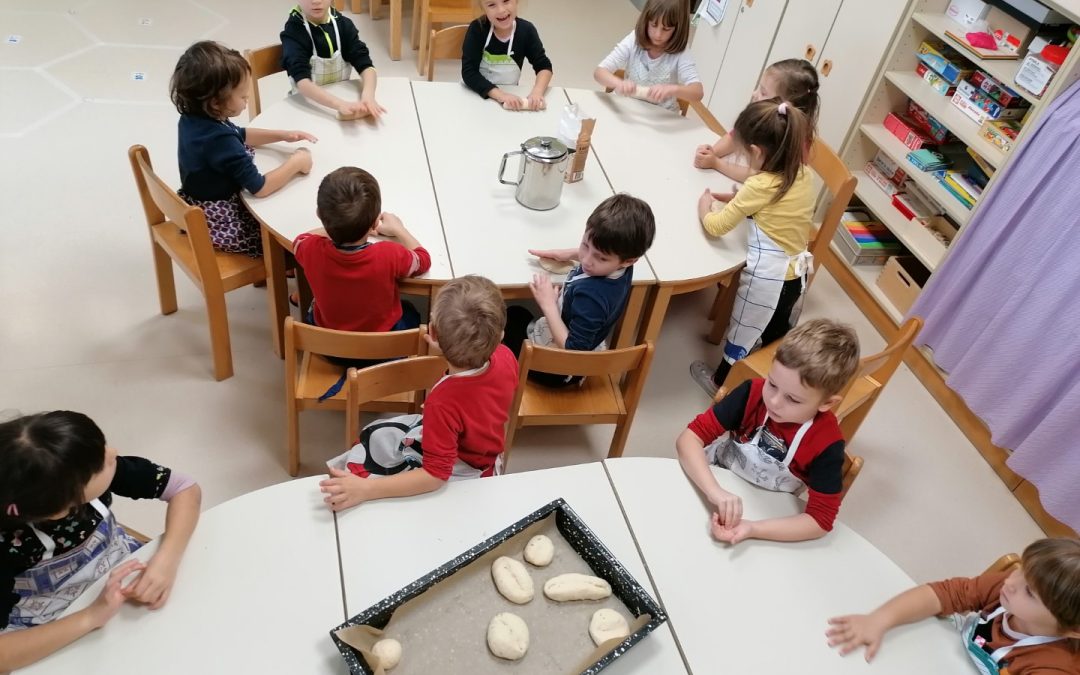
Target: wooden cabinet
804 30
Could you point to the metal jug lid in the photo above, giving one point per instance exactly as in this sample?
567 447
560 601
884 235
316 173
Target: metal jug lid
545 148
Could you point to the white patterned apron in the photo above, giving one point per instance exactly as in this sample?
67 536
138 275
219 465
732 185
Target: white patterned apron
500 69
751 461
646 72
760 284
326 70
47 589
395 444
991 664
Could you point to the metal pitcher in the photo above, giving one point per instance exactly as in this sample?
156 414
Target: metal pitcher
544 161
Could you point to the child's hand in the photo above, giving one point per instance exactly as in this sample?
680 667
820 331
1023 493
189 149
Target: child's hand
851 631
544 292
508 101
704 203
389 225
704 158
728 508
113 595
302 159
730 535
561 255
349 109
626 88
658 92
537 101
369 106
154 585
725 196
297 136
343 490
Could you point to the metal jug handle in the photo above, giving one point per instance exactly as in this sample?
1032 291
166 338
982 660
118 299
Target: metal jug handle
502 167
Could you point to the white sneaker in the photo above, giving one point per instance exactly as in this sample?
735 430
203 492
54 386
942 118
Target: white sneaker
702 374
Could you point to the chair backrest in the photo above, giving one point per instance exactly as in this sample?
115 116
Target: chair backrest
1006 563
841 186
683 104
444 44
164 208
852 467
263 61
570 362
416 374
302 337
881 366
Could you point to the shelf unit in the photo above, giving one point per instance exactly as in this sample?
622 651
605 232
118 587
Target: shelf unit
896 83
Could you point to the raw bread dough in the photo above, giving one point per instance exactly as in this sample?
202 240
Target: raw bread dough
389 651
350 117
512 580
539 551
525 105
556 267
641 92
576 587
607 624
508 636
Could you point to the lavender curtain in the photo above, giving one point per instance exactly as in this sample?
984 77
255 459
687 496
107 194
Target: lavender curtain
1003 313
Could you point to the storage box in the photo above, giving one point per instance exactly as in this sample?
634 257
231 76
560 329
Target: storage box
934 80
941 227
945 61
1002 133
881 180
889 168
448 588
927 123
997 91
865 243
1034 74
925 202
1011 34
967 12
901 280
968 107
907 132
983 100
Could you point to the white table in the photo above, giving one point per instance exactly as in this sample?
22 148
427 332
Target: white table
648 151
258 591
392 150
762 607
386 545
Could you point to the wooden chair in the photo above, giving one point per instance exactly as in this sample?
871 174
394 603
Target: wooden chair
604 397
444 44
841 186
683 104
264 61
308 374
428 13
863 390
135 534
357 7
1006 563
384 382
213 272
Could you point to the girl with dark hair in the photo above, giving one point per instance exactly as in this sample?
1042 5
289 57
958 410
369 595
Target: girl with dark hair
58 535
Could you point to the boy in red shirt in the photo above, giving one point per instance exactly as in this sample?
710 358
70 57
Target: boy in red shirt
783 436
354 280
465 412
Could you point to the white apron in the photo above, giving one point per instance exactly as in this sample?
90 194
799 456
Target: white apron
390 446
760 284
326 70
646 72
500 69
751 461
48 588
990 664
539 331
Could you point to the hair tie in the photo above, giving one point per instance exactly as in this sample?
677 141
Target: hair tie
13 510
782 108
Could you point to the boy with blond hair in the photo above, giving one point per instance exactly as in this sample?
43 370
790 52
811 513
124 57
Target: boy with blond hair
778 433
464 420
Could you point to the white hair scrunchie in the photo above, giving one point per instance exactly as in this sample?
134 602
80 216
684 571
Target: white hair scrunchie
782 108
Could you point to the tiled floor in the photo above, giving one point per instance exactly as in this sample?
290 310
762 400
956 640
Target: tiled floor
81 327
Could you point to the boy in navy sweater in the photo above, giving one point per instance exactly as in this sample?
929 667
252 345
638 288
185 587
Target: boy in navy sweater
582 315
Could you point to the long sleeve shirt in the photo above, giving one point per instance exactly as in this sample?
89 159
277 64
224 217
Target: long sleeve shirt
527 45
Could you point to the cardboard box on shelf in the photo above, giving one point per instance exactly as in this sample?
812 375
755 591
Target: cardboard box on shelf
967 12
934 80
1011 34
997 91
901 280
927 123
889 168
1002 133
1034 74
887 185
945 61
865 242
907 131
941 227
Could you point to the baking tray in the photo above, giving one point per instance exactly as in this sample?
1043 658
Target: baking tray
466 579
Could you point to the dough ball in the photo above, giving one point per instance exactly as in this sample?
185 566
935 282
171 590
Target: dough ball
556 267
641 92
539 551
389 651
508 636
512 580
576 587
525 105
607 624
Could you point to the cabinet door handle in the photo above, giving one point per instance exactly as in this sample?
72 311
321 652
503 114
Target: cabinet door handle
826 67
810 53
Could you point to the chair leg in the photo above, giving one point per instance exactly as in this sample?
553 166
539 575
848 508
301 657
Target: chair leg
374 8
358 6
219 336
166 282
425 42
419 9
292 436
721 311
511 432
618 441
715 309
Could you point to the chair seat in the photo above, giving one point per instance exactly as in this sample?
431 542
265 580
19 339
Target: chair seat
545 405
860 392
237 269
317 374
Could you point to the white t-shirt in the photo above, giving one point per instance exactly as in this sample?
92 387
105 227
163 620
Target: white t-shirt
680 67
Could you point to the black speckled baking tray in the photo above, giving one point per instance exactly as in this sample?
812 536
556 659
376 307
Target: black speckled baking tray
584 542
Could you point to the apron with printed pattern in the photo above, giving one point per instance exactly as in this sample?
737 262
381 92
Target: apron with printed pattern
500 69
753 462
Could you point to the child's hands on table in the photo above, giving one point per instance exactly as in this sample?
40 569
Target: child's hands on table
114 594
561 255
302 158
658 92
729 507
389 225
297 136
344 490
626 88
154 584
730 535
704 157
854 630
369 106
536 101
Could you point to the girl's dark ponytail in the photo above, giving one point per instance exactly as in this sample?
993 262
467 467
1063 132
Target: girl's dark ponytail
782 132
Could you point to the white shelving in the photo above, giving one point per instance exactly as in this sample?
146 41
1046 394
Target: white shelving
897 152
867 276
939 106
911 234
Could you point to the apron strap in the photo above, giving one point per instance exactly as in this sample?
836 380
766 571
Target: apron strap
509 45
329 44
1030 641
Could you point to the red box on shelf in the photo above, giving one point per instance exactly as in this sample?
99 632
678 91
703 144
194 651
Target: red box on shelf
927 123
907 132
998 91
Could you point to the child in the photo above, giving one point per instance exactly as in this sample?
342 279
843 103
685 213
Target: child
783 436
486 63
654 56
1023 622
779 201
582 315
209 85
57 480
791 80
320 46
353 280
465 412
